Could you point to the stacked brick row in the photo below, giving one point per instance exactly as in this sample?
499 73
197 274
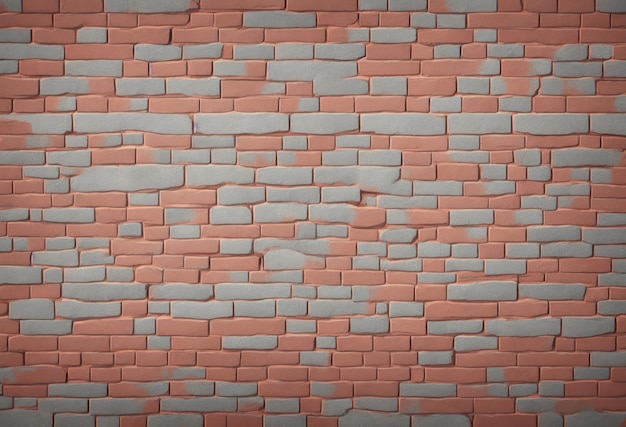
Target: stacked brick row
312 213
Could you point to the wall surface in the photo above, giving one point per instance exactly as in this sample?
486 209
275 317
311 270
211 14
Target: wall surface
323 213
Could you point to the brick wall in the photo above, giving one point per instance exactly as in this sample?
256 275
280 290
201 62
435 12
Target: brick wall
323 213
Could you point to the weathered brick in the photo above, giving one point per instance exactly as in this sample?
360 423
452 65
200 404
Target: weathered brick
143 122
403 124
524 328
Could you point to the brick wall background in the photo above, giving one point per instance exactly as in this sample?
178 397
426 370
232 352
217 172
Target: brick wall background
313 213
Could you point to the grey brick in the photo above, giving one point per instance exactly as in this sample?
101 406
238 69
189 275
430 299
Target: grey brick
241 123
428 358
194 87
250 343
15 36
578 69
301 326
611 279
118 406
63 85
379 404
552 124
95 68
63 405
521 390
139 86
229 69
83 390
406 309
287 259
235 291
91 35
235 389
10 275
483 291
473 86
517 104
353 141
147 6
524 328
479 124
12 215
398 235
605 236
285 420
159 343
246 52
441 420
464 265
407 5
236 247
427 390
389 86
611 307
56 258
568 189
69 215
103 292
608 359
75 158
230 215
203 51
340 52
156 53
423 20
438 188
294 51
181 292
200 388
359 418
574 327
522 250
31 309
280 212
324 123
583 373
279 19
403 124
559 86
327 309
566 250
25 418
373 5
47 124
218 175
446 327
371 325
402 251
315 358
471 217
177 124
340 158
553 233
465 250
81 310
464 344
31 51
127 178
202 310
45 327
285 176
552 292
200 404
341 194
445 105
449 50
433 250
497 267
380 158
255 309
505 50
485 36
282 406
393 35
188 420
145 326
535 405
159 307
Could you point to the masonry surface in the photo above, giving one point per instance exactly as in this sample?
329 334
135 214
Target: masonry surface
323 213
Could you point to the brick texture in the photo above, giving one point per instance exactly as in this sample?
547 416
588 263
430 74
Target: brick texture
322 213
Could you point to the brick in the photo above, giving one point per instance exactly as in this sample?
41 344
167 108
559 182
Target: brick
202 310
91 35
135 86
403 124
427 390
524 328
250 343
611 124
56 258
10 275
78 390
144 122
552 124
46 124
278 19
483 291
553 234
611 6
146 6
584 327
254 52
190 420
80 310
552 291
118 406
479 124
393 35
609 359
94 68
31 51
156 53
340 52
25 418
46 327
203 51
241 123
439 420
361 418
32 309
127 178
103 292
